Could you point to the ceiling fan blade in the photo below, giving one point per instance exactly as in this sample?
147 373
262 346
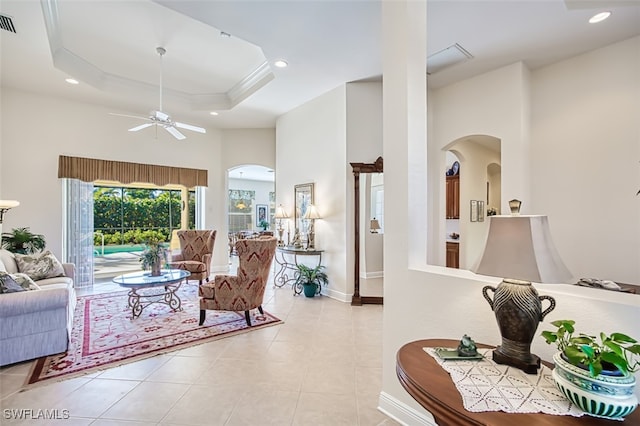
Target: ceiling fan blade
176 134
140 127
190 127
131 116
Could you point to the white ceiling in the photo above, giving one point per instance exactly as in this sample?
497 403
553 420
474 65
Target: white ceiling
110 46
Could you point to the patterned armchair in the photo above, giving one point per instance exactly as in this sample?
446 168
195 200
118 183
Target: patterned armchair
196 249
244 291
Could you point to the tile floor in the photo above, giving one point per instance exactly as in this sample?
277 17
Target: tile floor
321 367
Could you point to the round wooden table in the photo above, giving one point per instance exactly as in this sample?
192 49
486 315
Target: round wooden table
430 385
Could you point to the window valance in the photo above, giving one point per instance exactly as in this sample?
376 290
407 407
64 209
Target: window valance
91 169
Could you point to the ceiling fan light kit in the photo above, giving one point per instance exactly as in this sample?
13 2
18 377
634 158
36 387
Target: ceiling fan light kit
162 119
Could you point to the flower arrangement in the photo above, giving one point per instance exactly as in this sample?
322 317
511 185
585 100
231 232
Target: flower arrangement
491 211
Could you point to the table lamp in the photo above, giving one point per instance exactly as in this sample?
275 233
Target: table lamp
6 205
374 226
520 250
311 215
279 216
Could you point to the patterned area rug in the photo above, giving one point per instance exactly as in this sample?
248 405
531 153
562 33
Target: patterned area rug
105 336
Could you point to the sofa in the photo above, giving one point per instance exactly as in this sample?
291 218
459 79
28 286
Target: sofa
36 321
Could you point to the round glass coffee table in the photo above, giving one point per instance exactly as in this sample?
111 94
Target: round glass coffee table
145 289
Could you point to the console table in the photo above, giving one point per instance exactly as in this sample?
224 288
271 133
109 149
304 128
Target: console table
287 263
430 385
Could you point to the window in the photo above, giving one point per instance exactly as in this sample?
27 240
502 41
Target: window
241 209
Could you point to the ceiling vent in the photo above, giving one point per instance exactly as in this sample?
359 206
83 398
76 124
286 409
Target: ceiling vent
6 23
446 58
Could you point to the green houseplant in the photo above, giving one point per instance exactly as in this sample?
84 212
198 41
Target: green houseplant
614 352
264 224
154 255
595 373
23 241
310 279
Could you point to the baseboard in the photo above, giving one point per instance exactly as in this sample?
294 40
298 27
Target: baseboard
402 413
342 297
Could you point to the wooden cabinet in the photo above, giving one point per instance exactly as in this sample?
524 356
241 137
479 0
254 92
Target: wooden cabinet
453 197
453 255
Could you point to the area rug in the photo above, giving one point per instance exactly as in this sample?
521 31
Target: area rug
104 335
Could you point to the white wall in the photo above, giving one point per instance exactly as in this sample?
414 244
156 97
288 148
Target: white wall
37 129
435 302
586 159
311 148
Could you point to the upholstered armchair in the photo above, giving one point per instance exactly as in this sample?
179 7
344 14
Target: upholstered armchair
244 291
196 249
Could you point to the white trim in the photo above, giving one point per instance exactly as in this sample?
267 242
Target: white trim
402 413
333 294
372 275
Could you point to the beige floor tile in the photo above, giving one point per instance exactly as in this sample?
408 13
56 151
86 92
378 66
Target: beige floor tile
231 372
10 384
147 402
368 380
368 413
283 376
138 370
111 422
44 396
264 406
368 355
246 349
205 405
19 368
211 350
337 379
96 396
321 409
181 369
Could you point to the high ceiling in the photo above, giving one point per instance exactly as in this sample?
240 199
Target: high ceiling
220 54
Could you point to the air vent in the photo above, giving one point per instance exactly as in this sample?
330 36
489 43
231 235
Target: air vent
6 23
446 58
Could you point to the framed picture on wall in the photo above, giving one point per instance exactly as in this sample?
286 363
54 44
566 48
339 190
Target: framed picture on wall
303 196
262 214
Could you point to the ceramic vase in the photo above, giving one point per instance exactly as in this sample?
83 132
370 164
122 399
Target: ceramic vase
604 395
156 269
518 310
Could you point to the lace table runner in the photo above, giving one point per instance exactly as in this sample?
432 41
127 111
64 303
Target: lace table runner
487 386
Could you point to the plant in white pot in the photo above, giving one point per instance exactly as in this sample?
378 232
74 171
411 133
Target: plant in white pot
595 374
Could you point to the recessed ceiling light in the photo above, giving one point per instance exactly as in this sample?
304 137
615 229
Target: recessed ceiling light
213 113
72 81
599 17
281 64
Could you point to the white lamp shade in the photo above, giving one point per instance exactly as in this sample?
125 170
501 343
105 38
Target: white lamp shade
8 204
281 213
521 247
311 213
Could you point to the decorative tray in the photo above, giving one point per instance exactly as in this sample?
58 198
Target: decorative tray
449 354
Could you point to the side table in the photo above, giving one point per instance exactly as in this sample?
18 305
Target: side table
430 385
287 263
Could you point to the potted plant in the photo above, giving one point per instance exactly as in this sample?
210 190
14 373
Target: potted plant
154 256
23 241
264 224
310 279
595 373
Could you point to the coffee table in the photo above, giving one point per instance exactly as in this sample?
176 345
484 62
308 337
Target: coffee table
145 289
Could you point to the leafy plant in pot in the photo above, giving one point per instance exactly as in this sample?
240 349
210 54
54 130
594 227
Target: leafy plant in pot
154 256
310 279
595 374
23 241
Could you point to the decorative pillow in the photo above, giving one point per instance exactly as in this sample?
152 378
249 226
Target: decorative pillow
24 281
9 285
39 265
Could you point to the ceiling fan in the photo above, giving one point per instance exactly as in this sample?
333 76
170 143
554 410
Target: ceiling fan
160 118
